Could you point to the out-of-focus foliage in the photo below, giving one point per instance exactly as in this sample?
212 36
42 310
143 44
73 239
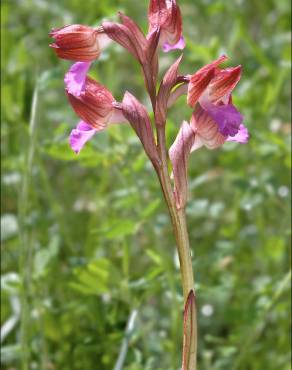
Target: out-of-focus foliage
90 234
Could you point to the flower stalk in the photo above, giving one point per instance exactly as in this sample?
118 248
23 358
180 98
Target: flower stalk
215 120
179 224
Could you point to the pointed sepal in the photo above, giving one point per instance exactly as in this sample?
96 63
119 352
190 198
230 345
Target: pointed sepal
138 117
168 82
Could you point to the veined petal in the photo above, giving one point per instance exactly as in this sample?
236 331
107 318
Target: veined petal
80 135
94 105
241 137
75 78
206 130
223 83
201 79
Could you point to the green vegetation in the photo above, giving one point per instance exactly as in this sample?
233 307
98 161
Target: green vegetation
86 240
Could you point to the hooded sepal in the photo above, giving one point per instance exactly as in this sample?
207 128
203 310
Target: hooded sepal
223 83
179 154
139 119
94 105
201 79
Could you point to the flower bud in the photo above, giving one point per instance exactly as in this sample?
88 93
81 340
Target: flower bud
76 42
94 105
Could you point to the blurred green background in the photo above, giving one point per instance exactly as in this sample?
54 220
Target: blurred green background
89 235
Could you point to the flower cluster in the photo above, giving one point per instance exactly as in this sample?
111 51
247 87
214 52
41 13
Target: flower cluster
214 121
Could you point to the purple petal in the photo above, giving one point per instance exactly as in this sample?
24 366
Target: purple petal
227 117
75 78
80 135
179 45
242 135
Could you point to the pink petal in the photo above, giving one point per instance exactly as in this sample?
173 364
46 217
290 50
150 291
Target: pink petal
241 137
179 45
206 130
75 78
80 135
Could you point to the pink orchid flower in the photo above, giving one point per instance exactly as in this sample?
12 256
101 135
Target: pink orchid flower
211 87
215 119
92 102
166 15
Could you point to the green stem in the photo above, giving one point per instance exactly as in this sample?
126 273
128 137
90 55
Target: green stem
179 224
25 257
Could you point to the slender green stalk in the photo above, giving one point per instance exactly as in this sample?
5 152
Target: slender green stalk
25 240
179 224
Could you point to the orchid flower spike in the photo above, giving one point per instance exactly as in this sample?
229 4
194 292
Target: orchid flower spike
77 42
94 104
166 15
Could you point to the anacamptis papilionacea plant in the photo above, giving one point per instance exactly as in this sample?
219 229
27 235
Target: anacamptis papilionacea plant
214 121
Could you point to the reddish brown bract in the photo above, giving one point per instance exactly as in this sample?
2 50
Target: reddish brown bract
95 104
76 42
